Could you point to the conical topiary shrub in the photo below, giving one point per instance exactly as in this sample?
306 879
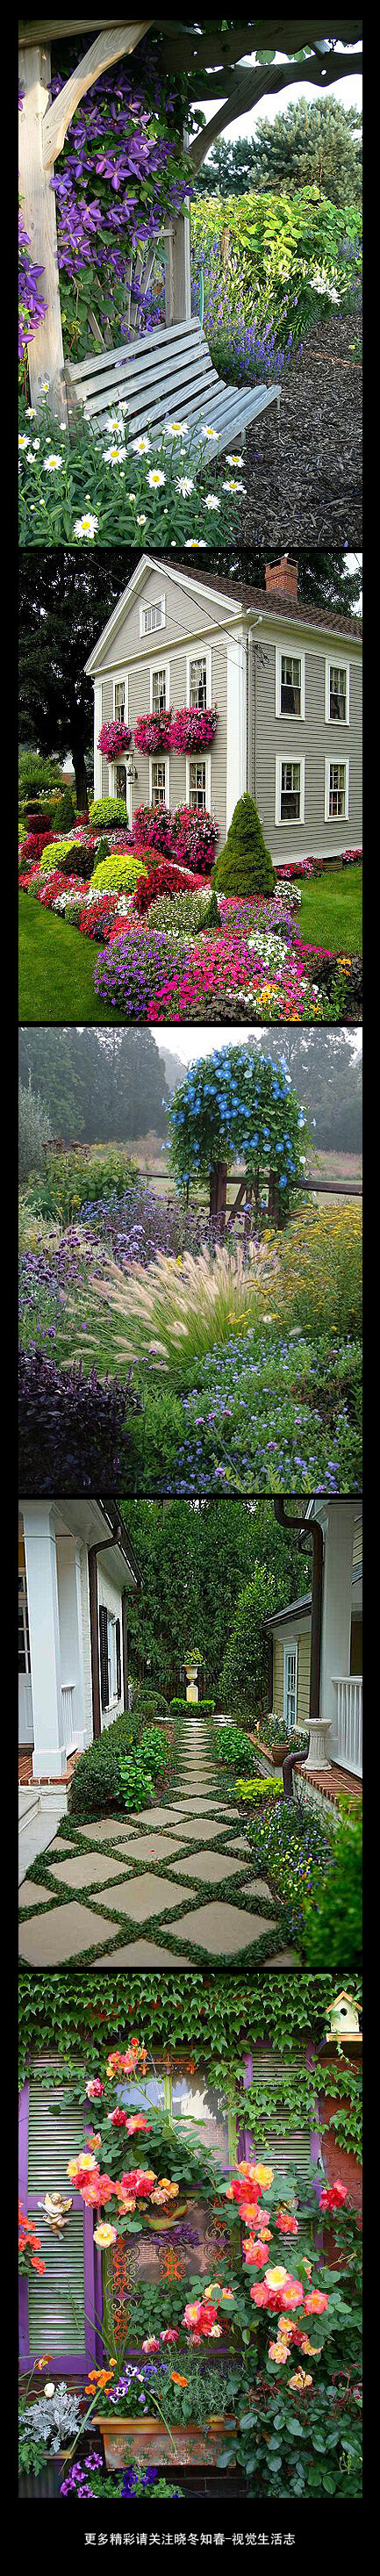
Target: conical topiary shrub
245 866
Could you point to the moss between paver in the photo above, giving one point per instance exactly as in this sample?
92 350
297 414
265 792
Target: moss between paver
43 1875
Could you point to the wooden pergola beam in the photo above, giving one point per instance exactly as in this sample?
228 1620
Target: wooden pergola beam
122 39
247 87
183 52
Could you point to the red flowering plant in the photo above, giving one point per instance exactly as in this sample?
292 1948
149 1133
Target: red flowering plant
164 880
193 728
31 849
113 740
153 732
97 919
188 837
29 2244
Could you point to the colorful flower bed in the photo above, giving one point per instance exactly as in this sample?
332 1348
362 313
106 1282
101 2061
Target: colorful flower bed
164 962
280 2310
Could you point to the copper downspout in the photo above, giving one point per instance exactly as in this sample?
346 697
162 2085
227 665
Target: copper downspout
316 1533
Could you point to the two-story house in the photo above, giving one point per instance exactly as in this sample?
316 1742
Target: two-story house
286 680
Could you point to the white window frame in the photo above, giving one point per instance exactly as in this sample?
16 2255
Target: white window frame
121 676
204 655
118 764
336 819
290 1655
289 822
23 1614
146 609
159 666
163 757
282 650
203 756
340 662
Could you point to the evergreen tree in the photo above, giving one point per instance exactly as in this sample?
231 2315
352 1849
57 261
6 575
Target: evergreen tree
244 866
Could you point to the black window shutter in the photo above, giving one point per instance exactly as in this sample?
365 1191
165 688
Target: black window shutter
118 1659
103 1634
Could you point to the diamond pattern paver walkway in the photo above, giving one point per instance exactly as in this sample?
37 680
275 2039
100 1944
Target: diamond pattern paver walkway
162 1872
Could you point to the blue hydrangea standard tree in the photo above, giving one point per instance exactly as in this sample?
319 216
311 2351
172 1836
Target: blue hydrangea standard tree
237 1104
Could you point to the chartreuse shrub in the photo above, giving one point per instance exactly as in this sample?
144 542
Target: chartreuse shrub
244 866
118 874
107 811
61 854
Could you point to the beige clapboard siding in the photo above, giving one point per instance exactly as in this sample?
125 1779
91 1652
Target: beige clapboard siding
186 613
278 1678
303 1678
302 1640
312 739
156 651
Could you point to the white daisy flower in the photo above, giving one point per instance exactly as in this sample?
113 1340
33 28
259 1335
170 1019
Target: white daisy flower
112 455
140 446
211 502
185 485
45 385
30 413
155 477
36 443
86 527
206 432
141 521
195 541
23 442
176 429
52 464
234 487
234 460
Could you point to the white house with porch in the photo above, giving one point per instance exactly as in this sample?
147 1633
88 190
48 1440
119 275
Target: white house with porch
336 1722
77 1574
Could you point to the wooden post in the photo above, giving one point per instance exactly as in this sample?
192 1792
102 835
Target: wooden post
218 1198
45 349
273 1200
247 1213
177 266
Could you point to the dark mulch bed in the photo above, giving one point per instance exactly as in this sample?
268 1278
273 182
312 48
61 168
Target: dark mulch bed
304 471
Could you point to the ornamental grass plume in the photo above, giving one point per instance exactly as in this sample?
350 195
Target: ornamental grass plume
181 1309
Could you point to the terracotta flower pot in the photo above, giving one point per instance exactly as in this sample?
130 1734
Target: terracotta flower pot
278 1754
153 2445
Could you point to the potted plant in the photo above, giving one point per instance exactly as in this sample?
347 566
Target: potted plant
47 2427
191 2409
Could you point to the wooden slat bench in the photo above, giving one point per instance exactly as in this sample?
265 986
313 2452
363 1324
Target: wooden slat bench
163 375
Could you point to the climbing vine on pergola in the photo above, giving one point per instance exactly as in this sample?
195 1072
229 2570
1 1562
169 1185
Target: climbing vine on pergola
208 58
237 1104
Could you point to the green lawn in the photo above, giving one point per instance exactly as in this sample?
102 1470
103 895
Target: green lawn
55 969
331 911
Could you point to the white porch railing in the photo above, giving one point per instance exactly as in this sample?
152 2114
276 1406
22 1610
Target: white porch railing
349 1722
67 1696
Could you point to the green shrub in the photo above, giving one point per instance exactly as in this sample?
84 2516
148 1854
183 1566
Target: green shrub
149 1702
333 1926
118 874
65 811
244 867
33 1132
36 774
138 1770
95 1786
69 1180
204 1707
109 810
233 1750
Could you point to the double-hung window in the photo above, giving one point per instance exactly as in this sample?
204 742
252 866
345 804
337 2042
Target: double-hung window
337 693
336 790
290 1685
198 785
159 697
198 682
110 1657
119 701
159 782
290 791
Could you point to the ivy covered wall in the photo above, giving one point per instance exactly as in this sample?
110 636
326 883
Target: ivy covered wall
215 2019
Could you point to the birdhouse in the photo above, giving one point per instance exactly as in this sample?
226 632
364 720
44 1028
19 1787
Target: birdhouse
343 2017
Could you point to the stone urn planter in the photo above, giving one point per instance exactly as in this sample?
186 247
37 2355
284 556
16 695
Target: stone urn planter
48 2481
153 2445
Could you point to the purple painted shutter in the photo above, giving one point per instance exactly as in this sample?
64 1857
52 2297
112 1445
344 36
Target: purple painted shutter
57 2307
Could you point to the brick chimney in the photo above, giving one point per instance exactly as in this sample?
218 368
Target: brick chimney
282 578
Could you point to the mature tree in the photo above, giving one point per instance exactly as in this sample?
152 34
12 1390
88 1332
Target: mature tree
310 146
326 1070
97 1085
65 599
195 1560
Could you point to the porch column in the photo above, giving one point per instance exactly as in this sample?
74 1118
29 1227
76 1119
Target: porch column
124 1609
49 1755
97 727
236 779
337 1603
